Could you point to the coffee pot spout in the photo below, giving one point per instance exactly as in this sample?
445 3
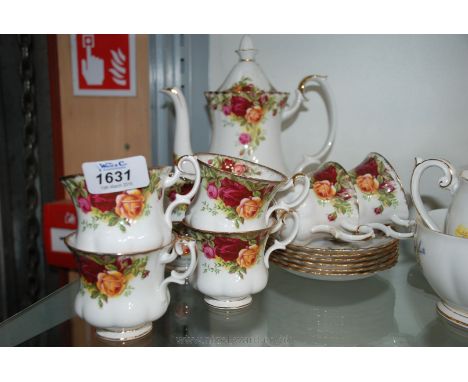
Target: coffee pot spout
182 145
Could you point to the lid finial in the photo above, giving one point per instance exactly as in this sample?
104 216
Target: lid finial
246 69
247 50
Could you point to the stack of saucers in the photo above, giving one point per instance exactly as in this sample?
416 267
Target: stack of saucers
338 261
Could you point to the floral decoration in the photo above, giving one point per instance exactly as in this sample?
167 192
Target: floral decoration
237 198
461 231
247 106
332 184
234 253
105 277
374 180
117 208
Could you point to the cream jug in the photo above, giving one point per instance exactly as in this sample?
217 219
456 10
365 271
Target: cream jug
456 222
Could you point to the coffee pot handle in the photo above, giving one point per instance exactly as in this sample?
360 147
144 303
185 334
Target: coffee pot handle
170 181
281 244
448 181
177 277
316 158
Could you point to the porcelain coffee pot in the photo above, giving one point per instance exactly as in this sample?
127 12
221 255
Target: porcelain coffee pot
247 114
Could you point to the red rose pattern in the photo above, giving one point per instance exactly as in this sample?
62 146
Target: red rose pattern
370 166
239 105
228 248
328 173
104 202
89 269
231 192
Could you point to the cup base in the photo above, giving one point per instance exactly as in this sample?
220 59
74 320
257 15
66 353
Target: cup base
452 315
240 303
124 334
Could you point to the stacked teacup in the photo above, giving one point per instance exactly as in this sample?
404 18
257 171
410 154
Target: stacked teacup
350 206
123 241
231 218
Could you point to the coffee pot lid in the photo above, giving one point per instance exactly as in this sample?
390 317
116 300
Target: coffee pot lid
247 69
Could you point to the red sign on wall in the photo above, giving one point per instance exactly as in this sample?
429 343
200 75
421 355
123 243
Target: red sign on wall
103 65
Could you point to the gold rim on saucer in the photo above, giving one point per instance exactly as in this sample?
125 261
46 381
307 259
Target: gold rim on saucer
327 272
341 253
335 260
344 251
327 265
330 273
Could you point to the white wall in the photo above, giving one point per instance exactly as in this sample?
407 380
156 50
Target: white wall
401 96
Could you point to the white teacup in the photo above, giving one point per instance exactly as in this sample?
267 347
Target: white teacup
330 208
456 223
381 196
234 265
121 294
129 221
236 195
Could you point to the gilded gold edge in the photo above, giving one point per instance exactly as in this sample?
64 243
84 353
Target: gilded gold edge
379 260
324 272
451 319
349 262
354 258
334 267
332 253
328 273
305 249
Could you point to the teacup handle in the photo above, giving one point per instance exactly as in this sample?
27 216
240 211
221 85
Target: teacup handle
281 244
329 101
177 277
448 181
388 231
170 181
284 205
342 235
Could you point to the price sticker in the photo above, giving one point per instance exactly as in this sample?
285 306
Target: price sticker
116 175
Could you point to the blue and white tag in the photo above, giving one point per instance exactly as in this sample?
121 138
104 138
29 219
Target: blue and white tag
116 175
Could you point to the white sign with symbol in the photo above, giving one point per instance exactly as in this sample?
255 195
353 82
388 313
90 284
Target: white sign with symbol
116 175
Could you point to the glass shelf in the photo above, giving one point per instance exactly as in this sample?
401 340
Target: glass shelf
393 308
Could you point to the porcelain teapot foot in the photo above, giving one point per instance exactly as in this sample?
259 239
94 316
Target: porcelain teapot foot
124 334
228 304
452 315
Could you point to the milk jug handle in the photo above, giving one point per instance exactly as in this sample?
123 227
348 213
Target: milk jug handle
448 181
316 158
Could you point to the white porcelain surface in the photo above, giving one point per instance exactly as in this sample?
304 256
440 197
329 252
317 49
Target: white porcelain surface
130 221
444 262
247 114
457 217
122 296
